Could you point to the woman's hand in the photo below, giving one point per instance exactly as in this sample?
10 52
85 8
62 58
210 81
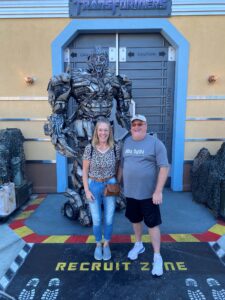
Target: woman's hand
89 196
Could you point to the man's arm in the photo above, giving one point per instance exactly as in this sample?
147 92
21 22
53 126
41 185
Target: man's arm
161 180
119 174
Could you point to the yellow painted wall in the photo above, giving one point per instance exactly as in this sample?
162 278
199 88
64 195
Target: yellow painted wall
26 51
207 57
206 108
207 52
204 129
25 109
192 148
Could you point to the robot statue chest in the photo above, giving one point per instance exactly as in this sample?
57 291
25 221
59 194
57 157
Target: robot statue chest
100 88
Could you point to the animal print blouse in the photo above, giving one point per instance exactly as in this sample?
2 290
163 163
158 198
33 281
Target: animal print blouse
102 165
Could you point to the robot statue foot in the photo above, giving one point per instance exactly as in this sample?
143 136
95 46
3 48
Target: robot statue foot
75 208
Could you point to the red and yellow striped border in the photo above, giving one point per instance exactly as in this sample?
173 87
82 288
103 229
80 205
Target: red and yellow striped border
19 227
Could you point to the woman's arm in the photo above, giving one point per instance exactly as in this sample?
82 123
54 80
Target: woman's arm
86 164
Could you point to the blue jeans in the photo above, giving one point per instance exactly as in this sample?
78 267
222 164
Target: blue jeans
109 203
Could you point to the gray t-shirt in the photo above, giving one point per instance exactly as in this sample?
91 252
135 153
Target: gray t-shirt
140 162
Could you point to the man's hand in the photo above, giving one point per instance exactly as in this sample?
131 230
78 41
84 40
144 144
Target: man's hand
157 198
162 176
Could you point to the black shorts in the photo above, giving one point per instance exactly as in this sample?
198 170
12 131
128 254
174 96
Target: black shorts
139 210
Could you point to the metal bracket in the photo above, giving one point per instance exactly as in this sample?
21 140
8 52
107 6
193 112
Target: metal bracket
112 54
171 54
67 55
123 54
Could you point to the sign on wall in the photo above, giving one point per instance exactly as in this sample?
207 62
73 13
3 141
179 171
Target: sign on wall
119 8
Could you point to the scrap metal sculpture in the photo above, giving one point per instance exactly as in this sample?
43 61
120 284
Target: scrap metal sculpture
14 187
12 157
208 177
78 100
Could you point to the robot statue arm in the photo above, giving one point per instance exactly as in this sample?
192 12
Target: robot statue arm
59 90
123 97
57 127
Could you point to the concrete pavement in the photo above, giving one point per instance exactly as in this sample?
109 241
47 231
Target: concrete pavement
13 246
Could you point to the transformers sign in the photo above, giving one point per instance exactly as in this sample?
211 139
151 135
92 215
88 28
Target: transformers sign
119 8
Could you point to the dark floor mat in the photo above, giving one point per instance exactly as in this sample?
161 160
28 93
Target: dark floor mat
63 272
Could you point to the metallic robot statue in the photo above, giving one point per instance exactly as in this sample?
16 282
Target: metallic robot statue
78 101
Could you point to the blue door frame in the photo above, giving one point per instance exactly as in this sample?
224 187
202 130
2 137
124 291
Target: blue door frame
146 25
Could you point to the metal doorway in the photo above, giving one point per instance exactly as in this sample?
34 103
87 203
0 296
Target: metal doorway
149 61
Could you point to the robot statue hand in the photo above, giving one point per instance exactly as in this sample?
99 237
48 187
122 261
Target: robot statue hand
59 90
62 78
123 120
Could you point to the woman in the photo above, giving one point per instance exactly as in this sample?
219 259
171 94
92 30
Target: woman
100 160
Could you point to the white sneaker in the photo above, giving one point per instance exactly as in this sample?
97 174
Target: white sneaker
157 269
136 250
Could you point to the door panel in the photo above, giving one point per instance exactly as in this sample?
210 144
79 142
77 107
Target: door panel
145 54
83 46
144 39
152 81
153 65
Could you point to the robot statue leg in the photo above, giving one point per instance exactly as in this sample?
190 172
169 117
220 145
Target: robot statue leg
77 206
75 209
84 210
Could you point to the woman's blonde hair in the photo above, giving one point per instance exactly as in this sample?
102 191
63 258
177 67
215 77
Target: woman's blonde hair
95 140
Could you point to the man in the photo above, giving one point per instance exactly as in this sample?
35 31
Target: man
144 168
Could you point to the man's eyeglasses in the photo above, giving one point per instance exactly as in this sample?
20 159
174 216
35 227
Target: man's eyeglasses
138 124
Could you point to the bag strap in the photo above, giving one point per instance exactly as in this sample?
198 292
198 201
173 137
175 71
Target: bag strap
114 149
91 151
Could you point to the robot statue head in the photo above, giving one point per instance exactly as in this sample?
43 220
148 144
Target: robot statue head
98 62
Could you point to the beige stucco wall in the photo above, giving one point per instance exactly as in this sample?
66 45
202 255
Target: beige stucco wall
26 51
207 57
